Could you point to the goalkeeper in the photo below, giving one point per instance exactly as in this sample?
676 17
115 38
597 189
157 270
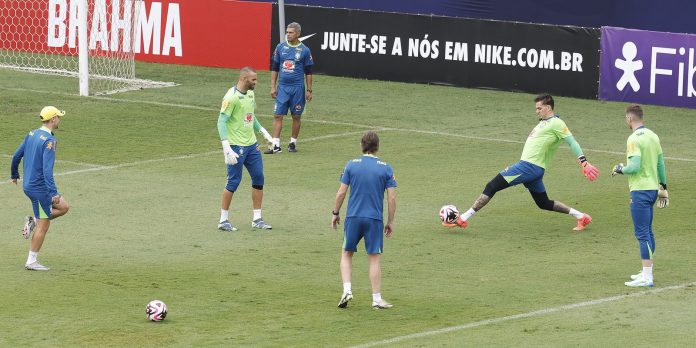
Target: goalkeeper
536 155
647 182
236 126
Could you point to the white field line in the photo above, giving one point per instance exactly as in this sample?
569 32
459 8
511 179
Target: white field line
445 134
538 313
98 168
83 164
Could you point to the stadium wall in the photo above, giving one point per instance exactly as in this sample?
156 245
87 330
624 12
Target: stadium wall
668 15
508 56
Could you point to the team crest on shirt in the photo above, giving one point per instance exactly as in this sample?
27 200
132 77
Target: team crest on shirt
249 117
288 65
298 53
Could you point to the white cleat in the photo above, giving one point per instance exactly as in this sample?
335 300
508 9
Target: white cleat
260 224
226 226
382 304
29 225
636 276
36 266
345 298
640 282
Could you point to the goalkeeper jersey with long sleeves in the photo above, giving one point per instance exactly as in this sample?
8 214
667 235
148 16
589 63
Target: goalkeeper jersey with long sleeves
39 152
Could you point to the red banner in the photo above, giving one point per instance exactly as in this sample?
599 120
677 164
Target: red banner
219 33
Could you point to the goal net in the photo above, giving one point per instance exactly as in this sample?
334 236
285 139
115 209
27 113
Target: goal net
55 37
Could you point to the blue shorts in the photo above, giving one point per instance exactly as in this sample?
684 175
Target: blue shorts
249 157
289 98
41 202
355 228
526 173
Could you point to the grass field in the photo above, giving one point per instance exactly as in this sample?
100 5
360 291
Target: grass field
144 173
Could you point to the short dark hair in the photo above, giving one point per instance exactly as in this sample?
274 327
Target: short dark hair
545 99
370 142
635 110
246 69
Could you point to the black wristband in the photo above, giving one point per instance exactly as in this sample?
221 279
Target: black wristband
664 186
582 159
334 212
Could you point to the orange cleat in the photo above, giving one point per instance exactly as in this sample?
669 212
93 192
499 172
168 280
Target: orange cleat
459 222
583 222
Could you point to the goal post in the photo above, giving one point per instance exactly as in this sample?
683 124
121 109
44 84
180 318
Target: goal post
92 40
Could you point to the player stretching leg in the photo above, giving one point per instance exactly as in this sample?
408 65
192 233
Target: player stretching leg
536 155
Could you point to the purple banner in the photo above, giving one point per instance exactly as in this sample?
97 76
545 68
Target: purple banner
647 67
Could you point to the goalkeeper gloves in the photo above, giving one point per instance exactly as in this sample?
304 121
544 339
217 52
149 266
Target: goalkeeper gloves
588 170
618 169
662 196
230 155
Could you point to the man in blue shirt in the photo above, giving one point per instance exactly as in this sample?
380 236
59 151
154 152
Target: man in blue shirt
39 152
368 177
291 67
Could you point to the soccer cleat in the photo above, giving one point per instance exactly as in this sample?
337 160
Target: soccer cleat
36 266
345 298
260 224
636 276
639 282
292 148
29 225
382 304
583 222
275 149
226 226
459 222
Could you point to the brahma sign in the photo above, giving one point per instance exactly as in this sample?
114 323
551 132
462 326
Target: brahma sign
217 33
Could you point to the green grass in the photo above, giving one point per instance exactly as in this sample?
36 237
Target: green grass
143 228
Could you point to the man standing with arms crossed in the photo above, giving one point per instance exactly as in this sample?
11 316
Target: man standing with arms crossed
368 178
236 126
647 182
291 67
39 152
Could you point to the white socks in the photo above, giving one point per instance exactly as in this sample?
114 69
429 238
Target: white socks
276 142
293 140
377 297
32 257
575 213
647 273
257 214
469 213
347 288
224 215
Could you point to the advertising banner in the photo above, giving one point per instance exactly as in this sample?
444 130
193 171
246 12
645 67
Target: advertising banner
215 33
452 51
647 67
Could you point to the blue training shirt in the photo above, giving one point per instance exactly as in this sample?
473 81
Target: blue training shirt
368 178
39 152
292 61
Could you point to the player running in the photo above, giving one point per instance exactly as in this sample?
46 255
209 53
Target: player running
536 155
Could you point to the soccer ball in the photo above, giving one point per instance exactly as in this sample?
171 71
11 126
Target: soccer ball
156 310
449 213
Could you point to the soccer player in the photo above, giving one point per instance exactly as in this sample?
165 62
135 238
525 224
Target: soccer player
236 126
368 177
536 155
647 183
39 152
291 67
